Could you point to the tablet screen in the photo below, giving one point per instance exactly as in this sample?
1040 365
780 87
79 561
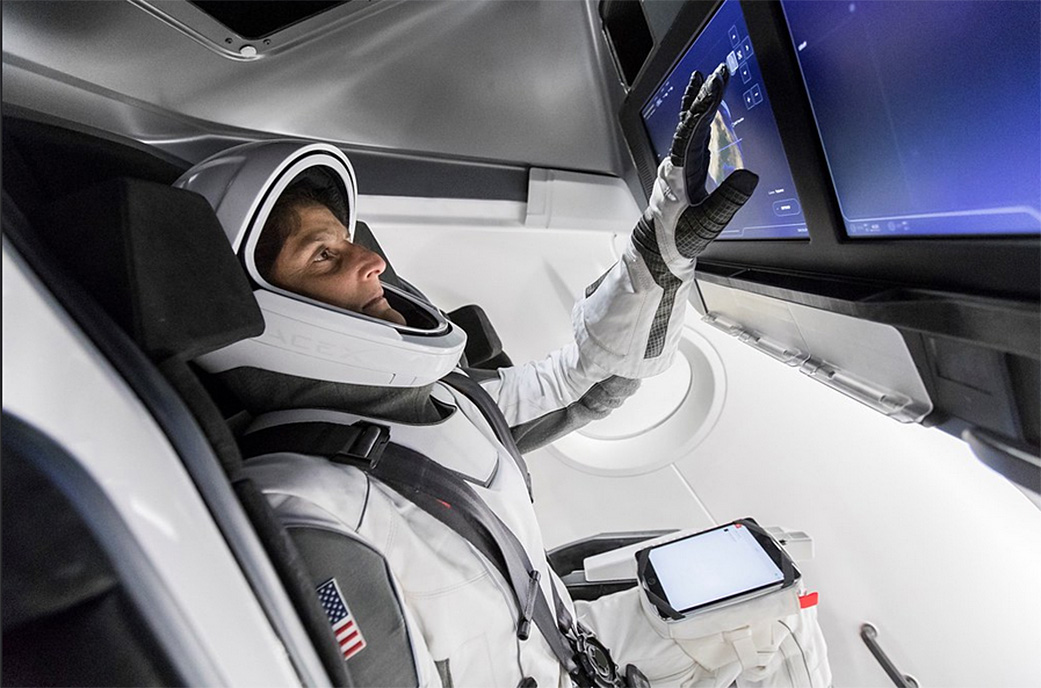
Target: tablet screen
712 566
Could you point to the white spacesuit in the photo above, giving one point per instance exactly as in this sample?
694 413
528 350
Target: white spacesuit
318 363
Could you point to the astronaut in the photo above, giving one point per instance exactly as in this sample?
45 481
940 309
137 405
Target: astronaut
347 349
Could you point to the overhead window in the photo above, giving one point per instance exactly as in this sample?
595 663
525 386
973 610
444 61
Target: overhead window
254 19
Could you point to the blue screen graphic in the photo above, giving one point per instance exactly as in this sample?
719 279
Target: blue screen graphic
744 133
928 112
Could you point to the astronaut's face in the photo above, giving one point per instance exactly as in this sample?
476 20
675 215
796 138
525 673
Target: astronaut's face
319 260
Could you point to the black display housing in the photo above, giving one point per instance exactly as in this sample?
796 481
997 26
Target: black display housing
967 307
1001 267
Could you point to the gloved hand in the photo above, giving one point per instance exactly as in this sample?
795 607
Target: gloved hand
630 322
682 219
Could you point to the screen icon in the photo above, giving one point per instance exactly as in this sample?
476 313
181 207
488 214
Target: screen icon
732 62
788 206
735 37
746 73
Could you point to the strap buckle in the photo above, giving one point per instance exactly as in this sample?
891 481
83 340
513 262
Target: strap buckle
524 627
595 667
368 444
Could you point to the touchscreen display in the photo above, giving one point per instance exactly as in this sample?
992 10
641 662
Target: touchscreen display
744 133
712 566
928 112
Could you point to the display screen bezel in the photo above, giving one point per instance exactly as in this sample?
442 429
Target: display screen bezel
651 580
766 231
1006 266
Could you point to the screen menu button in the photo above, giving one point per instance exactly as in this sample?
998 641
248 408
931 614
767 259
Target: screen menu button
787 206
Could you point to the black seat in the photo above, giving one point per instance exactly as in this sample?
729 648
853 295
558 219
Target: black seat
157 263
156 259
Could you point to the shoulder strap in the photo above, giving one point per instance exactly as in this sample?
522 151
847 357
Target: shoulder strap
491 412
437 491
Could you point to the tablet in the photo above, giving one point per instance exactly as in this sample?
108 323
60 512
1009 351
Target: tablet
713 568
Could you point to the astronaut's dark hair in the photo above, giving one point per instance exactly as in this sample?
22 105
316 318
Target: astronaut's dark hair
285 218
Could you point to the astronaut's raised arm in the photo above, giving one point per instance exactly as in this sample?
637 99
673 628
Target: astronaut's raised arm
628 323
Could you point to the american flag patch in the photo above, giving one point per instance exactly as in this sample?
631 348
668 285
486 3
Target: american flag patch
345 628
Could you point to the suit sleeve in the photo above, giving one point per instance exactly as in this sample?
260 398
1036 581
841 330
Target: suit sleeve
626 327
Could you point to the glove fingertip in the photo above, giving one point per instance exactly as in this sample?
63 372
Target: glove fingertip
722 73
696 80
743 181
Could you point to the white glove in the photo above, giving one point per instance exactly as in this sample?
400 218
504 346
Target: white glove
629 322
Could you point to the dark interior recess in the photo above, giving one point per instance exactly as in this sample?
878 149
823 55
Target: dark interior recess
129 336
660 15
66 157
1014 460
68 619
43 162
390 174
973 383
1025 377
569 562
252 19
628 35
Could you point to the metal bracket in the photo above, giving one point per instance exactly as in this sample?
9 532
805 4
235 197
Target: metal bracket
891 403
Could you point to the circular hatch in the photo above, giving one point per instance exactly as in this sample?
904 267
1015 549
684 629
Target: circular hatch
668 416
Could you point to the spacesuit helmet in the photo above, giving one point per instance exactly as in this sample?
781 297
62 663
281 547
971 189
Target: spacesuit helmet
303 336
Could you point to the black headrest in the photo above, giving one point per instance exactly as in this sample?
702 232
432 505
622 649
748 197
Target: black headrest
157 260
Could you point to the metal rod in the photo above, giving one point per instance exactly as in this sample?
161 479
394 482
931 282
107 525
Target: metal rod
870 636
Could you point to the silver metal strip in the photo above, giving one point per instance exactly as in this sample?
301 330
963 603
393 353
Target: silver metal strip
870 636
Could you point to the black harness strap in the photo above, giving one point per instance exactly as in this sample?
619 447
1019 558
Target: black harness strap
365 442
491 412
437 491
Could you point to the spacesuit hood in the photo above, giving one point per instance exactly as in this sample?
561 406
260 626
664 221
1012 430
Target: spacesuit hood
305 337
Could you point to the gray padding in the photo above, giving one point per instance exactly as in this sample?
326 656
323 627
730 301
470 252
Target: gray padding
480 375
364 580
445 672
262 391
482 341
597 403
157 260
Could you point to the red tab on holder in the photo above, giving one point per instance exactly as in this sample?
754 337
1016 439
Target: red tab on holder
808 600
